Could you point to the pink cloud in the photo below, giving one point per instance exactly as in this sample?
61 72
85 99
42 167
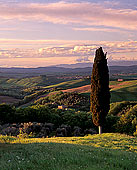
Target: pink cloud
67 49
84 13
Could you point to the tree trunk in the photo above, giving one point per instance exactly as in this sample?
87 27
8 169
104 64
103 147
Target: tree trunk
100 129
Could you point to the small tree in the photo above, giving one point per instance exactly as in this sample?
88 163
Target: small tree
100 95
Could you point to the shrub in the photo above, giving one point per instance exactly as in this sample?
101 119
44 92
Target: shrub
110 124
115 108
7 113
128 121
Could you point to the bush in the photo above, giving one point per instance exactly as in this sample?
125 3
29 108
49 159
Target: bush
7 113
128 122
110 124
115 108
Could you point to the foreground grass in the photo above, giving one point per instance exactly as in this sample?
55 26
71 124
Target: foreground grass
106 151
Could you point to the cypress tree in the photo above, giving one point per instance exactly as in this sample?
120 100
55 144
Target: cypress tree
100 95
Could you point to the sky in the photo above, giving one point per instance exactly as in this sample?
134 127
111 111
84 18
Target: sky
38 33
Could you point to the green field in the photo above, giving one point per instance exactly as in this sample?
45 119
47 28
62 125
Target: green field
28 82
48 82
71 84
120 91
127 91
96 152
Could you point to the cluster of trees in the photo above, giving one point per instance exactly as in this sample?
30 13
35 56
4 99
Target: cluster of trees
115 122
71 100
40 113
126 115
33 96
31 90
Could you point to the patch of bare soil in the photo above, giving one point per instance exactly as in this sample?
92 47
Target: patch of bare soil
86 88
83 89
121 84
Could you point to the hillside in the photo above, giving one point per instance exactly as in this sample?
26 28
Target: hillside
124 91
120 91
19 88
106 151
30 81
71 84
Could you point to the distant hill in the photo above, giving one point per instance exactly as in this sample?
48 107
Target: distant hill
77 65
123 69
110 63
54 70
41 70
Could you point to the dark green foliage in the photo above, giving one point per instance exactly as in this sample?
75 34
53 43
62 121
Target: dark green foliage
128 121
122 117
36 114
110 124
6 113
43 114
118 120
119 108
80 119
100 95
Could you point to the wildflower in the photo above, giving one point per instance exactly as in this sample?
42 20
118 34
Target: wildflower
17 157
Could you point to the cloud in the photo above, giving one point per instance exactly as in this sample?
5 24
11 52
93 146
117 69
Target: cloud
38 62
68 52
82 51
83 59
84 13
98 29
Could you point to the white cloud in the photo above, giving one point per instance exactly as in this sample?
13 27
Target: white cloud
84 13
78 50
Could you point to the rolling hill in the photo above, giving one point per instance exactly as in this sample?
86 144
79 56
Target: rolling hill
56 70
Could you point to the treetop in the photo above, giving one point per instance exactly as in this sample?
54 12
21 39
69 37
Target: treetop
100 54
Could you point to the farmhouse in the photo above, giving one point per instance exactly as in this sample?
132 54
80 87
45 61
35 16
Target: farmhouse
120 80
62 107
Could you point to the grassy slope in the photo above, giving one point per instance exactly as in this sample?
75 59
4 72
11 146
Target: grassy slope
71 84
106 151
123 91
49 82
126 91
24 82
119 90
